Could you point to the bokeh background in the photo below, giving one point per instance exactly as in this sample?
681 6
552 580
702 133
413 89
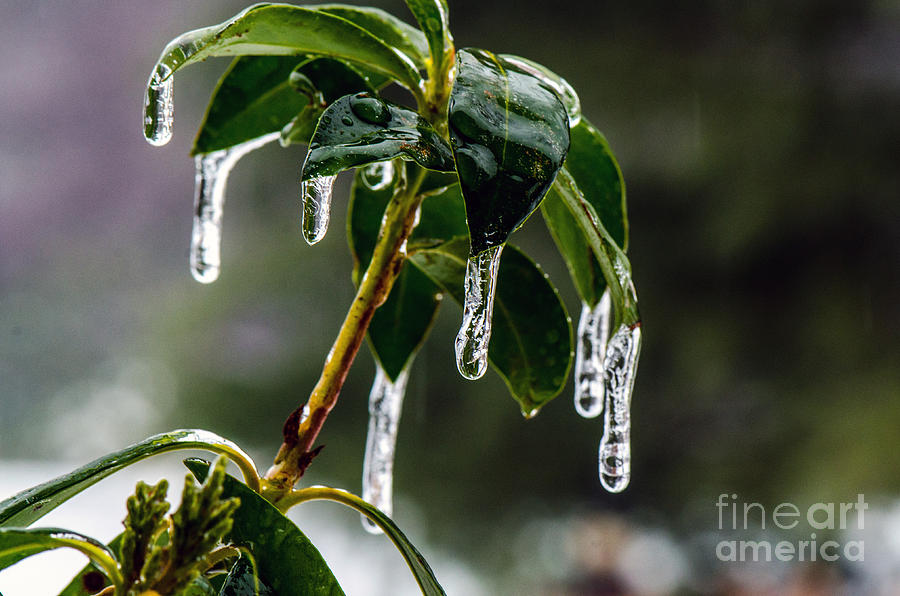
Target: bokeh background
761 148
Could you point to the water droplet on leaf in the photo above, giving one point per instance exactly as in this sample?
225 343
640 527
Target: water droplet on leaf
370 109
378 176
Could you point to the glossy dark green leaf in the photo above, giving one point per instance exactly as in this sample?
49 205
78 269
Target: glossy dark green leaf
417 564
277 30
433 17
361 129
288 563
531 345
402 323
19 543
28 506
385 27
510 134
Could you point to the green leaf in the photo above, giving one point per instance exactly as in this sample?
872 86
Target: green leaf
18 543
28 506
385 27
510 134
593 167
531 346
612 260
331 80
433 17
274 30
417 564
288 562
402 323
361 129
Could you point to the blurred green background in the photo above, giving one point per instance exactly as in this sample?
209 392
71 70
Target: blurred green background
761 149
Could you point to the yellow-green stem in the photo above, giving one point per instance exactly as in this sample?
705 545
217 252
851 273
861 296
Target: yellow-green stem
300 431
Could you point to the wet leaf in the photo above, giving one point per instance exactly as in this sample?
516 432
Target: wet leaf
531 345
288 563
19 543
361 129
510 134
385 27
433 17
593 167
90 579
28 506
278 30
243 580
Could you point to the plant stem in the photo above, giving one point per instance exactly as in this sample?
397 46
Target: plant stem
300 432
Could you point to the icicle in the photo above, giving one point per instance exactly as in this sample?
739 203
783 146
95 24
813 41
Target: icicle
590 350
211 177
159 106
378 176
475 333
562 87
316 196
620 368
385 403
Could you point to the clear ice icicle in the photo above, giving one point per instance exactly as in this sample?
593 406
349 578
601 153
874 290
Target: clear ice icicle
316 196
211 176
620 367
475 333
159 106
590 351
385 404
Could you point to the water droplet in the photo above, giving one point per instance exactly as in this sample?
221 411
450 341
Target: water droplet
347 120
385 404
562 87
620 368
316 196
590 350
370 109
475 332
159 106
211 177
378 176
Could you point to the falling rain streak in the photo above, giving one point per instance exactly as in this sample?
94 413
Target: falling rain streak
316 196
385 404
620 368
475 333
211 177
590 351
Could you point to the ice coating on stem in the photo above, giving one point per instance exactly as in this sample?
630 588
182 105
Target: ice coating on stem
385 404
211 177
475 333
620 368
590 351
316 196
378 176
